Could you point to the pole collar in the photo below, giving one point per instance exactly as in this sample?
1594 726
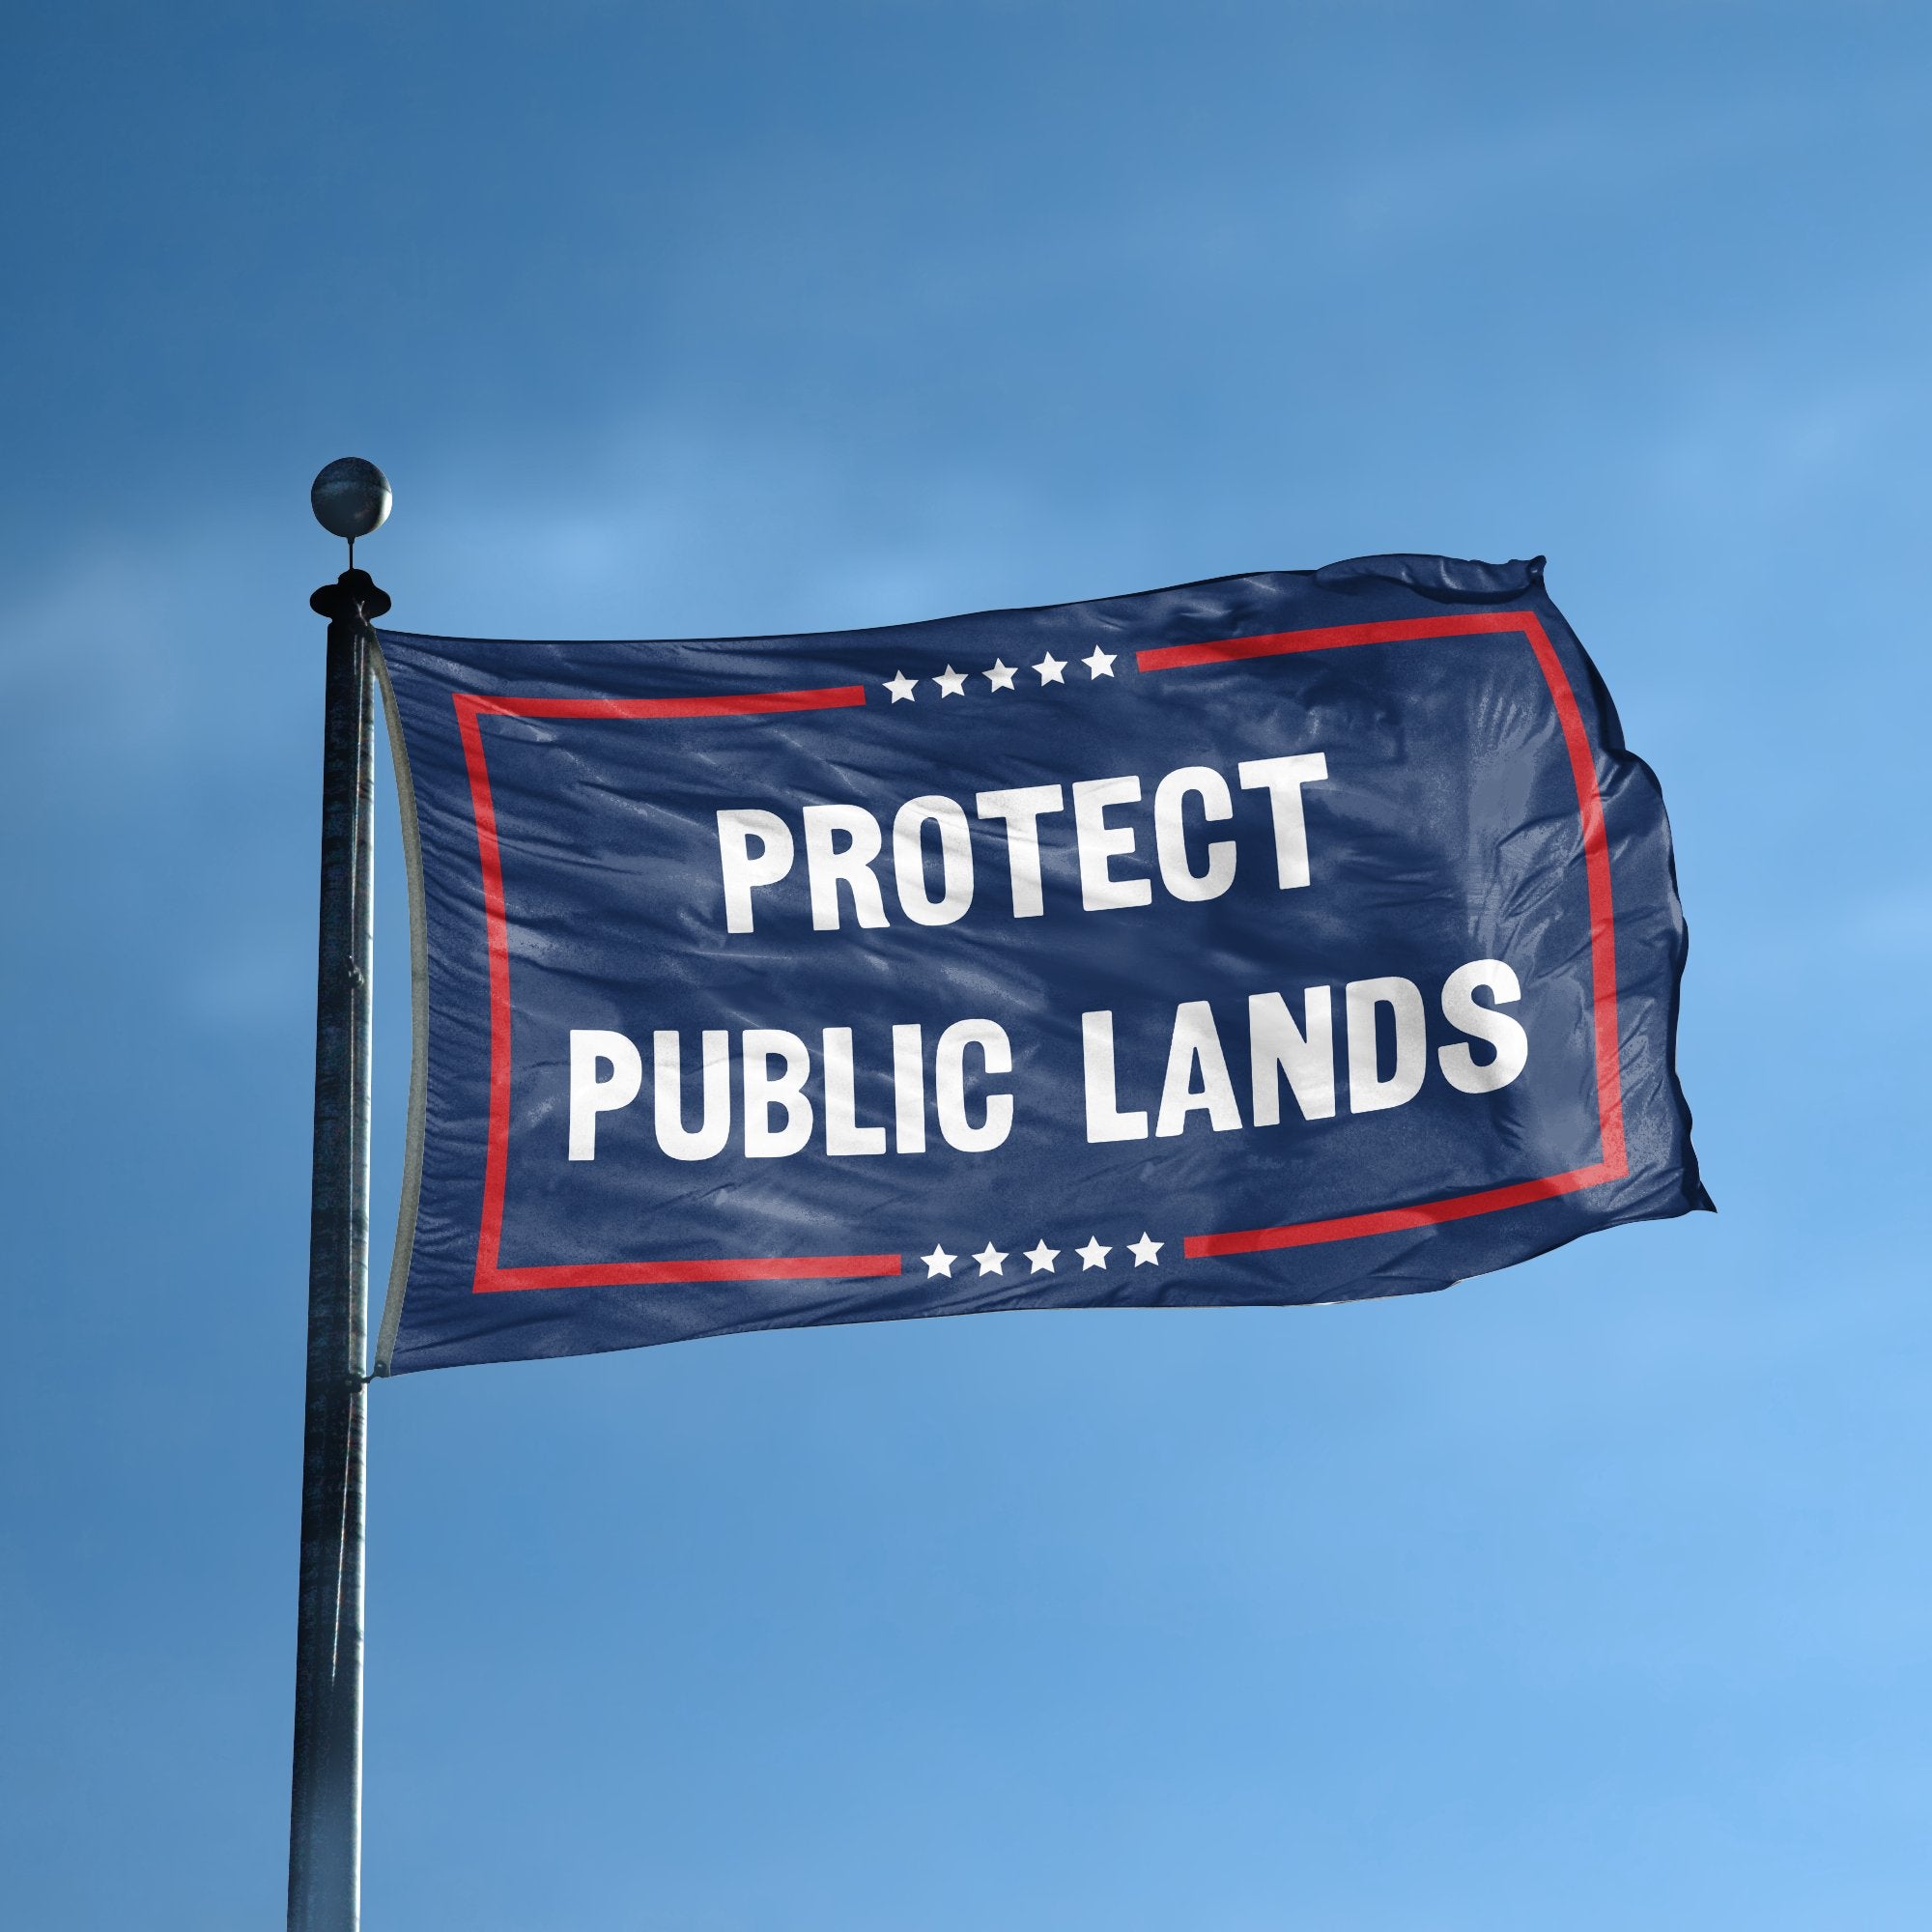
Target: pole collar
354 598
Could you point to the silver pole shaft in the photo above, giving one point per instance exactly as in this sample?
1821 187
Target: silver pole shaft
325 1816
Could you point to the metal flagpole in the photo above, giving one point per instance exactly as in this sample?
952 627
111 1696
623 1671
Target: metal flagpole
351 498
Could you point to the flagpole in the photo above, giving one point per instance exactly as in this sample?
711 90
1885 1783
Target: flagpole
350 498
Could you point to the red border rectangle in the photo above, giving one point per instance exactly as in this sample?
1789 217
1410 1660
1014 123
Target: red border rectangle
470 706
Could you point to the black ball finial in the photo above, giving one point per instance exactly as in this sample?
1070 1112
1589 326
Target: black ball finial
350 497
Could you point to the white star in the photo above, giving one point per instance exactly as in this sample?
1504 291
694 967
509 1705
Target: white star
938 1262
991 1261
952 683
1042 1258
1145 1250
1100 663
1000 676
901 686
1049 668
1092 1255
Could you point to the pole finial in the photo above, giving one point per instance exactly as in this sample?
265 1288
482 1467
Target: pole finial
349 497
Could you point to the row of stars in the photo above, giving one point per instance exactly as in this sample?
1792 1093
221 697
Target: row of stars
992 1261
952 683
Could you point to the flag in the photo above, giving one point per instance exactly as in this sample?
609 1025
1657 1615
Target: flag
1298 937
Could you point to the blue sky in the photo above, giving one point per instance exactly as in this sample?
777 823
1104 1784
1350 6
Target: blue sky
1590 1595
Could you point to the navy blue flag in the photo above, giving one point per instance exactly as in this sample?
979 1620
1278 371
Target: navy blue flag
1301 937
